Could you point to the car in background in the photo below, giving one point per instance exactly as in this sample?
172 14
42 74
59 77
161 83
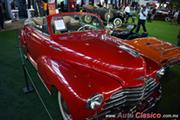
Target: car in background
111 17
162 14
126 32
94 73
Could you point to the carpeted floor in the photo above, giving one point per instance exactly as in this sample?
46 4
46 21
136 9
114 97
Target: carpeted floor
14 104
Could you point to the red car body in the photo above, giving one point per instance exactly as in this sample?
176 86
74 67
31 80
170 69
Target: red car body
85 63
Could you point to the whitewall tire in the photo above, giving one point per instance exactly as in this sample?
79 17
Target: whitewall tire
63 108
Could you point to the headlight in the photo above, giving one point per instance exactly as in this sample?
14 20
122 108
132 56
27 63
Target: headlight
160 72
95 101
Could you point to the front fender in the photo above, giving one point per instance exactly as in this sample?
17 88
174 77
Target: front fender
76 84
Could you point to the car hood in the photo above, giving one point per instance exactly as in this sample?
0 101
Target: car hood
103 54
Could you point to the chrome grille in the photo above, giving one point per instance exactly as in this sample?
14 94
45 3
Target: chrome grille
131 96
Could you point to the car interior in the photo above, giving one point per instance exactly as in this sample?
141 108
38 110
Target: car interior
40 23
67 23
73 23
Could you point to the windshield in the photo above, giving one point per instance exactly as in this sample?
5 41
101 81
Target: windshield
75 22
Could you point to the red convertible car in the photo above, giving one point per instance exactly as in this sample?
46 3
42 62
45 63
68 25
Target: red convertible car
95 74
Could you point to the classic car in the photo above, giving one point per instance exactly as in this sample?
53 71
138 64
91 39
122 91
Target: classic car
115 23
127 32
111 17
94 73
162 14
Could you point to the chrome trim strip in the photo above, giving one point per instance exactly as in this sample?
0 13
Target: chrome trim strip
32 61
44 83
132 95
35 66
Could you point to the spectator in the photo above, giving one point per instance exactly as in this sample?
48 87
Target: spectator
142 19
62 6
149 15
178 42
171 15
45 7
175 17
104 5
40 7
99 5
77 8
13 6
34 4
127 12
133 14
1 16
153 13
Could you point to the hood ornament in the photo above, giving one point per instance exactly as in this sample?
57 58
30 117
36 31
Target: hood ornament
129 50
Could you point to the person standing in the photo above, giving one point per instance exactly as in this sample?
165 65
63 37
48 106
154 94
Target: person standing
62 6
178 18
153 13
133 14
40 7
175 16
142 19
127 12
149 15
45 7
1 16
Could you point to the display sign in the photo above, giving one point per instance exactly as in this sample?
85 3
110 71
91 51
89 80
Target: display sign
59 24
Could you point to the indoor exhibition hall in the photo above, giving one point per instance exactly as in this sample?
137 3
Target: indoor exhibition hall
89 59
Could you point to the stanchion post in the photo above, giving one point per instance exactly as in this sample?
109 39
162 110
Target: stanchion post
28 87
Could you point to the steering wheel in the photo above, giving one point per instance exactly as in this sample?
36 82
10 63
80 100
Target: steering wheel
86 27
